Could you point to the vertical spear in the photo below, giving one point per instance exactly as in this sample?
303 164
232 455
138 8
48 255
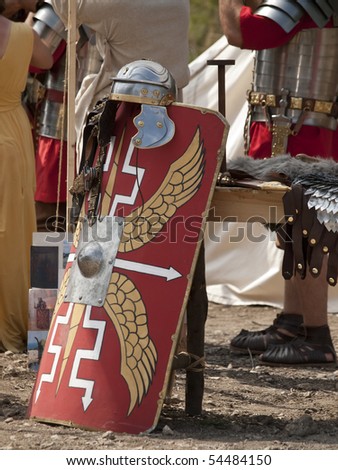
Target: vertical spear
71 92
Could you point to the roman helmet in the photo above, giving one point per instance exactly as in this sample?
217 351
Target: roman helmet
151 85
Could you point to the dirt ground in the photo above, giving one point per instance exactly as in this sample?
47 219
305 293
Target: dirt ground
245 406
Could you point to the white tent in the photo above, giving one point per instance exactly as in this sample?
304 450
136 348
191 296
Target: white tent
243 265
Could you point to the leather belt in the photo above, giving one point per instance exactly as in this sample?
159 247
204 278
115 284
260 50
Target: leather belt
308 104
54 95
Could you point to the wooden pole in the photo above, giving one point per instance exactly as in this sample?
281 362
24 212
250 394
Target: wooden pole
197 307
71 92
221 64
197 311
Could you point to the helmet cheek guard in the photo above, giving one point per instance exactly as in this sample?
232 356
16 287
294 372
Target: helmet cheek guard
151 85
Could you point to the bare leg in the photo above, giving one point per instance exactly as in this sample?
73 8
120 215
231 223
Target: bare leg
305 302
308 297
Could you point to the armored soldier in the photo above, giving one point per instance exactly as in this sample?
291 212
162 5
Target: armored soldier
125 31
47 94
292 109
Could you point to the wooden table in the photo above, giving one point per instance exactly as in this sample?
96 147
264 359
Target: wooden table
237 204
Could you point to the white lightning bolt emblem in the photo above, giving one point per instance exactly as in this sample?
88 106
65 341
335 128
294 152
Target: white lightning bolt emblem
92 354
54 349
129 170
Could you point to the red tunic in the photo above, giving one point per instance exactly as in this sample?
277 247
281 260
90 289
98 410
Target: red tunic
47 160
260 33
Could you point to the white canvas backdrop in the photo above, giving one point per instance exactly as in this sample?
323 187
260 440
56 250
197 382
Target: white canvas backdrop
243 265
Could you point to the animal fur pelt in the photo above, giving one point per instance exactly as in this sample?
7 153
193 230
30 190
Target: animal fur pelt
283 168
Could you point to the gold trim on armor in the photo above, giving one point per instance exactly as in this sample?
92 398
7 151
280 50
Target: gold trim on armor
164 101
294 102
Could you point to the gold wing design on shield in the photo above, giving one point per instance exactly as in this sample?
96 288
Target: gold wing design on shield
126 309
179 186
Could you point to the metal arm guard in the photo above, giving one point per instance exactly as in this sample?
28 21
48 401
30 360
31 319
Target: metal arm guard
287 13
49 26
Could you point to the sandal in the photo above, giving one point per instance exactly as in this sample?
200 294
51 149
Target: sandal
315 349
256 342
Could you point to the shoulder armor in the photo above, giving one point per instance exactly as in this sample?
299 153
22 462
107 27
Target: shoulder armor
320 10
49 26
287 13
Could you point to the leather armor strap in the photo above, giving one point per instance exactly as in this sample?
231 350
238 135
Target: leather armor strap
296 249
89 150
288 258
332 266
284 233
96 137
305 240
324 246
106 125
299 244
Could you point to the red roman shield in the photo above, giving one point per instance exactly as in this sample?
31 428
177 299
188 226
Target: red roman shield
107 358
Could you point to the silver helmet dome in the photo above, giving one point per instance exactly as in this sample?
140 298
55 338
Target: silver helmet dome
144 81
